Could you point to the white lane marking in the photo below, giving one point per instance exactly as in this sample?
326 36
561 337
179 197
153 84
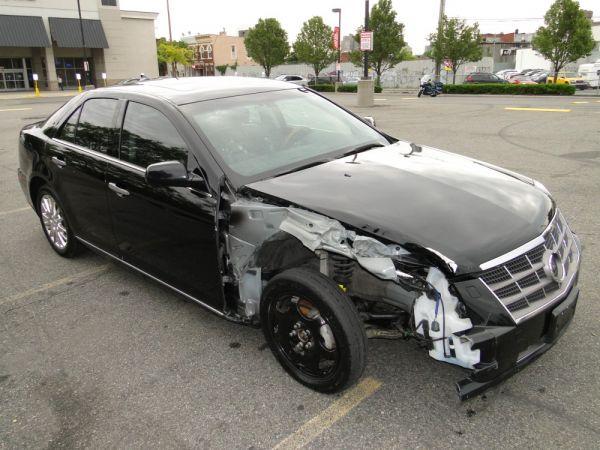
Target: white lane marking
336 411
15 109
29 292
12 211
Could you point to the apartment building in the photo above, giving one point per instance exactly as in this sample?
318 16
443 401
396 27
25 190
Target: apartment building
212 50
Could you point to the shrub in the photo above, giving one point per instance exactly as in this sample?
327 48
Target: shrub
510 89
354 88
323 87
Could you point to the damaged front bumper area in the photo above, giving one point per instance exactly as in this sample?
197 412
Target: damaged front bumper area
505 350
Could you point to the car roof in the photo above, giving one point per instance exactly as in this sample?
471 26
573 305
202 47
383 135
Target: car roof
195 89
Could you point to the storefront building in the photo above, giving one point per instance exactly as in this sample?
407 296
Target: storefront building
44 37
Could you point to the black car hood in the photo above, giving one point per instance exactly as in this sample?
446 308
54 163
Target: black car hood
461 209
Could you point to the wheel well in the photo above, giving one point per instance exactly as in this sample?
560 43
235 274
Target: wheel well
34 188
283 251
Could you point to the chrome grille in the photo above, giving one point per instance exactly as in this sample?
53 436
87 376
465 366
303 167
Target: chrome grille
521 283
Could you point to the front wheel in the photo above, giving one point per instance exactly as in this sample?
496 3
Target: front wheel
420 92
55 225
313 329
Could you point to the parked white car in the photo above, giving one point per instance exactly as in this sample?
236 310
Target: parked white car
506 73
296 79
590 73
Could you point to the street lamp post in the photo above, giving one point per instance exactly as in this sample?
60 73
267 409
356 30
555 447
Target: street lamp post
366 54
339 40
85 61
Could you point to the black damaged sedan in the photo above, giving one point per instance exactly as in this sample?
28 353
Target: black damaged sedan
272 206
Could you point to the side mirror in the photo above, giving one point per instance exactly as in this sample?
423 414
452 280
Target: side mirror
370 120
174 174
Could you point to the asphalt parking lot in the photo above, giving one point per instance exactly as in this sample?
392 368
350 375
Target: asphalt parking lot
94 355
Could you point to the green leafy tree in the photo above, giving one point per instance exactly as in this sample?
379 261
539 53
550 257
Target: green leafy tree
222 69
389 47
267 44
314 44
458 43
566 35
171 53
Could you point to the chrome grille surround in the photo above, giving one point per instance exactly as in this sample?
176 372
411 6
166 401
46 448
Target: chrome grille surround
518 279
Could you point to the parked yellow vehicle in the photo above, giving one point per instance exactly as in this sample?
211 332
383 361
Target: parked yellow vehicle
568 78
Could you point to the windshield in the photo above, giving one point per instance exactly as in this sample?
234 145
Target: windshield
261 135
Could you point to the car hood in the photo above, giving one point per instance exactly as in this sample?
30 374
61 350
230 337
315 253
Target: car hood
464 211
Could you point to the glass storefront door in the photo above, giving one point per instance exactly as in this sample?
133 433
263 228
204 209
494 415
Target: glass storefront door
12 74
66 68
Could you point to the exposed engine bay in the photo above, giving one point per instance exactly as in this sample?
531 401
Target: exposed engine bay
398 294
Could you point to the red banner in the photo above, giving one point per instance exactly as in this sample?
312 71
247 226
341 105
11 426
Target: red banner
336 38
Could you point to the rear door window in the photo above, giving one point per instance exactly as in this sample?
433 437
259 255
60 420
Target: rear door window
148 137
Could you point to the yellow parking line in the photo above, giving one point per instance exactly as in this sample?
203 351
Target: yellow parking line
538 109
579 103
53 284
409 98
338 409
15 109
12 211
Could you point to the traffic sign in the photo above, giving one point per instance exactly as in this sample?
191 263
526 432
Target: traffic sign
366 41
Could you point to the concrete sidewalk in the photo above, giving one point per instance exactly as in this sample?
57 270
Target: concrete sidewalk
29 94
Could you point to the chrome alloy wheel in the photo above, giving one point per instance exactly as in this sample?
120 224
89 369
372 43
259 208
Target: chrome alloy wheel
54 223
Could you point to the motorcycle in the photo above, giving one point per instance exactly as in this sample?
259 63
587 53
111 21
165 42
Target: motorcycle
431 89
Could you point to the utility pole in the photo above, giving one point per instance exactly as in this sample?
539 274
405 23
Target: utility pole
169 20
85 61
439 34
339 41
366 54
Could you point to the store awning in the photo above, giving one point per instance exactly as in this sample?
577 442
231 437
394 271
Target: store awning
22 31
66 33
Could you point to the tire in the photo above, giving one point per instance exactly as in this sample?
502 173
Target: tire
420 93
331 336
434 94
54 224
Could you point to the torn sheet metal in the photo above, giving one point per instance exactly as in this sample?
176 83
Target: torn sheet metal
451 264
259 221
321 233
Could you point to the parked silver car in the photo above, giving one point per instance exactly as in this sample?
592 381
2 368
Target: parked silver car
296 79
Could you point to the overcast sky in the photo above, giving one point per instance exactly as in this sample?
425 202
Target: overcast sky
419 17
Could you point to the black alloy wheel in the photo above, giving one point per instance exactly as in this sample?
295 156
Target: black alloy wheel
313 329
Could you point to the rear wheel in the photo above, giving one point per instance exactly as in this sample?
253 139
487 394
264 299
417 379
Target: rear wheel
313 329
55 225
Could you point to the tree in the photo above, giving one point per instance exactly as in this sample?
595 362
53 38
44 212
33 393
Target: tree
314 44
458 43
267 44
566 35
174 52
388 40
222 69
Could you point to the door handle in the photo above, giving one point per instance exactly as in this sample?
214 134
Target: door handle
58 162
119 191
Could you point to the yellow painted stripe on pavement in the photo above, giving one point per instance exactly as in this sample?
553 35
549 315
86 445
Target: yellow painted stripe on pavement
579 103
15 109
12 211
538 109
323 421
409 98
53 284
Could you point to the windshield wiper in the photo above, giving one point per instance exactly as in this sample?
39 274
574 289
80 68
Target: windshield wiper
304 166
362 148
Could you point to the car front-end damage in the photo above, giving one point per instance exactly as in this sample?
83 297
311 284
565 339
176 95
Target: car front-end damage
490 322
